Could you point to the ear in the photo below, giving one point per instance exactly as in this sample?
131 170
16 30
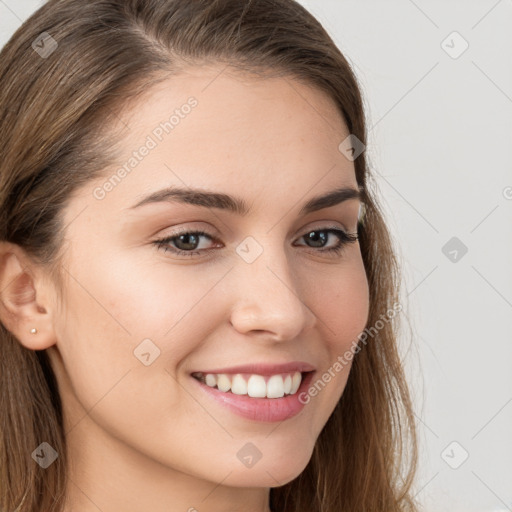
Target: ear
25 299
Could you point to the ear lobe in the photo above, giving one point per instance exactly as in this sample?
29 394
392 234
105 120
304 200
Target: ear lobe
20 310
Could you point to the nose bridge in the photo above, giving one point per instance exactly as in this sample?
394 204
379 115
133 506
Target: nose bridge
267 293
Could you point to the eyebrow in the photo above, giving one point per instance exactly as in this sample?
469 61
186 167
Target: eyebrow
236 205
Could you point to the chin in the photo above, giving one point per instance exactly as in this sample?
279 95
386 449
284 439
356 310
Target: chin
286 472
271 473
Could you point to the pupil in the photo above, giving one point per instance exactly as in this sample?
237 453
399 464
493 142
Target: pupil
187 236
313 236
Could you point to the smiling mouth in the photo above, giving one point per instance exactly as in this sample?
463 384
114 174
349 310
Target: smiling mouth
254 385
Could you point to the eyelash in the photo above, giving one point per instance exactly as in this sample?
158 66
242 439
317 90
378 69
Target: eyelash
344 239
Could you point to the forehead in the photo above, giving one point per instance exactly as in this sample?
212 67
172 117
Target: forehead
230 108
223 130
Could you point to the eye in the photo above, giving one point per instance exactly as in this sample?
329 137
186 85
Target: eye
321 237
187 243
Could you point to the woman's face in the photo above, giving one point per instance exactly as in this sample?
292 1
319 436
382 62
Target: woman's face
258 288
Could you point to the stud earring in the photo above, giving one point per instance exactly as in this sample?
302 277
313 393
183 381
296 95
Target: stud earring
33 331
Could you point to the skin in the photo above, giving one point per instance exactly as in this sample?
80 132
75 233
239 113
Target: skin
145 437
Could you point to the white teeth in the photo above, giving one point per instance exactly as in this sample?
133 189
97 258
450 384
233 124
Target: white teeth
287 385
297 377
223 382
275 387
256 386
239 385
211 380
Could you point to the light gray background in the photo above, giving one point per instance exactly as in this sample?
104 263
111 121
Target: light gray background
440 144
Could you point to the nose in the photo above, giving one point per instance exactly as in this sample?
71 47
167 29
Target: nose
268 299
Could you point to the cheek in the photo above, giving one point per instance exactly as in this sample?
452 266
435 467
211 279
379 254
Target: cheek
341 302
109 311
113 304
145 298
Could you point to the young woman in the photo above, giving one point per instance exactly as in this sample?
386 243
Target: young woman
198 293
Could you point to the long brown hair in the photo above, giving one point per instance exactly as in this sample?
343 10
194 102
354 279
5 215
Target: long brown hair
55 110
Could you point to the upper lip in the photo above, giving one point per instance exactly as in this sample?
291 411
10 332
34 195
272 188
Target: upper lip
263 368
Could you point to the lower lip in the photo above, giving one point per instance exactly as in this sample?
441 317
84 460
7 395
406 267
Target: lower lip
260 409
